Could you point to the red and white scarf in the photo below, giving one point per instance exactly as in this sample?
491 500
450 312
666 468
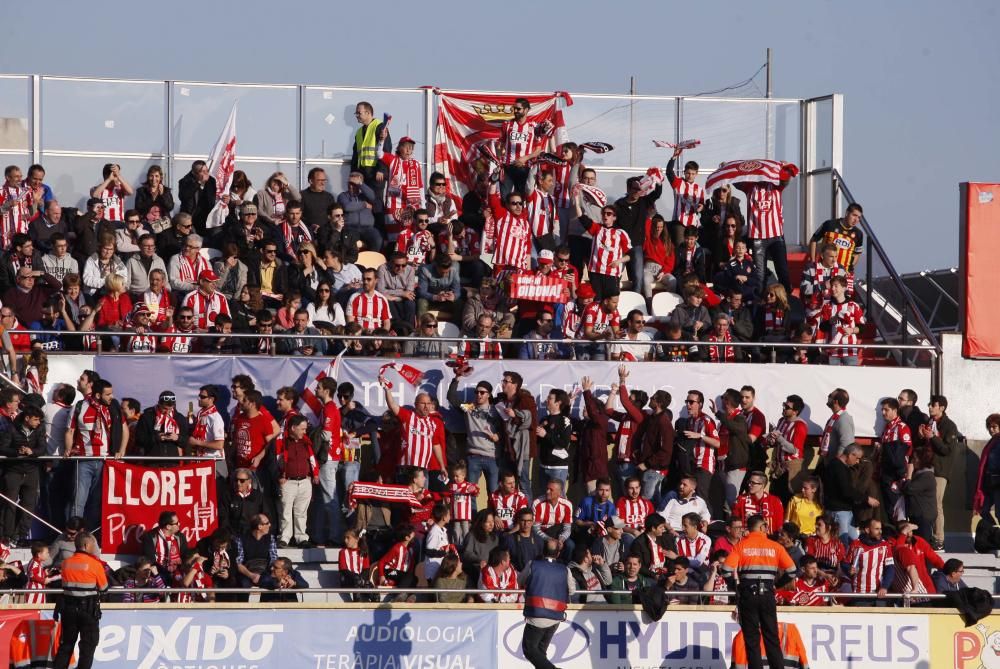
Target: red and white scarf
167 551
774 320
166 422
200 430
294 236
721 353
190 270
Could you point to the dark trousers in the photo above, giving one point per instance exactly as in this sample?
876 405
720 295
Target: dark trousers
605 285
20 487
759 618
535 643
78 621
773 248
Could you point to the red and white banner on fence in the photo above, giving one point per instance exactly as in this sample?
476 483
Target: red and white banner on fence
135 496
468 121
538 288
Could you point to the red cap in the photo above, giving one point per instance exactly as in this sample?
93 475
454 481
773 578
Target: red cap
546 257
585 291
208 275
404 140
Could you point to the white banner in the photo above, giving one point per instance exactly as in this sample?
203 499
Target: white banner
702 639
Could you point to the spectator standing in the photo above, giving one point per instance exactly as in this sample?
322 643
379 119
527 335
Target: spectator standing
196 191
838 433
766 226
843 496
554 434
870 564
162 432
547 591
655 438
894 450
612 249
516 408
298 472
942 435
788 440
631 214
22 446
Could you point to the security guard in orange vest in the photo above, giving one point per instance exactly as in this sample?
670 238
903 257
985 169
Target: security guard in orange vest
791 646
759 565
79 608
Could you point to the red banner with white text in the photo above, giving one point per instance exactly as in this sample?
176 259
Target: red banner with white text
538 288
135 496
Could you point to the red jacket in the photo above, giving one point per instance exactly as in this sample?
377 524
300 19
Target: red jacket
654 250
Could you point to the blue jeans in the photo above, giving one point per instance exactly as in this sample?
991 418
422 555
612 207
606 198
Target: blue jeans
524 478
369 235
846 361
773 248
844 519
636 269
349 473
622 471
328 523
480 465
651 480
87 491
557 473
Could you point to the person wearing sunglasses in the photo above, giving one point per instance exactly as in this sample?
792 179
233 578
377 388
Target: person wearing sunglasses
483 428
397 281
512 239
162 431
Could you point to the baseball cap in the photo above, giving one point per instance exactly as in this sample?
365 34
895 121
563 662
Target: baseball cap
585 291
407 139
249 208
546 257
208 275
168 397
141 309
615 522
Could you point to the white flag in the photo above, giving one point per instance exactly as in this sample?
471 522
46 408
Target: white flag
222 165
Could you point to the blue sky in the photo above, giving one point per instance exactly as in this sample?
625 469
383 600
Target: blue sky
920 78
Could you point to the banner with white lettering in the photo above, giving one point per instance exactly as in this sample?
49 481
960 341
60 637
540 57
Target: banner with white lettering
134 496
867 386
538 288
297 639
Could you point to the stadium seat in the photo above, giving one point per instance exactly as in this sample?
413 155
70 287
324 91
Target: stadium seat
210 254
446 329
370 259
628 300
664 303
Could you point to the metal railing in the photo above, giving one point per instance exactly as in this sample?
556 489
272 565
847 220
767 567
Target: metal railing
906 598
888 304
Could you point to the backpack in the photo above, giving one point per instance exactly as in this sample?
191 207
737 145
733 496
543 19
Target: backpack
321 444
987 536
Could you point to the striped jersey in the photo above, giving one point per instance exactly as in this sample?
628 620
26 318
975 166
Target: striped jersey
609 245
351 560
92 434
796 432
370 311
547 515
688 197
598 318
206 307
541 207
507 506
847 314
419 434
461 495
703 455
113 198
512 236
633 512
519 139
829 555
695 550
869 563
764 216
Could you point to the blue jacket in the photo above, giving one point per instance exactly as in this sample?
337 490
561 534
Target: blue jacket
546 591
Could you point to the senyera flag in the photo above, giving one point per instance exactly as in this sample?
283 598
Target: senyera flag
751 171
222 165
468 122
134 496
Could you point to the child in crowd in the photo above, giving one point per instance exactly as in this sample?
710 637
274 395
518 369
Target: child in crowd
805 508
462 493
39 576
353 561
436 544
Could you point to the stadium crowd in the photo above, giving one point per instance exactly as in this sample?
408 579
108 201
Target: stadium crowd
662 497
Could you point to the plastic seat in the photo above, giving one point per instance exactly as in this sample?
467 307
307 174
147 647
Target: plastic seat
370 259
629 300
664 303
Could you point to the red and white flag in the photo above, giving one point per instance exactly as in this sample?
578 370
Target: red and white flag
408 372
538 288
468 121
750 171
222 165
310 405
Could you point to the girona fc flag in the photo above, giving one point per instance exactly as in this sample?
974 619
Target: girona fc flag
221 165
471 122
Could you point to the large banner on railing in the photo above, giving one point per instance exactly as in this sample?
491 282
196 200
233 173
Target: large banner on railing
298 639
465 638
134 496
773 383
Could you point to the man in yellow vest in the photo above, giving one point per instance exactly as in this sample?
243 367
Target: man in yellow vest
368 139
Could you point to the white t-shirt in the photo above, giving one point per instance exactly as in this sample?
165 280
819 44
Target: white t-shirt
437 538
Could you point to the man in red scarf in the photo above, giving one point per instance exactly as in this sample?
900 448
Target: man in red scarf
162 431
165 544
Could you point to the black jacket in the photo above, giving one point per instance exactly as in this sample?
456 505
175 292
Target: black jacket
144 200
149 548
641 549
11 442
839 491
699 261
632 215
945 447
147 437
739 440
195 200
236 513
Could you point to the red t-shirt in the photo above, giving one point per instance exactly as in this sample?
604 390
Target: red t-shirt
331 425
249 437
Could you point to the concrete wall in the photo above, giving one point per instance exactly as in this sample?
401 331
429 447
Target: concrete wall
969 386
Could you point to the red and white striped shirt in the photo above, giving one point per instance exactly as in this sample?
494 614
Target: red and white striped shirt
764 216
829 555
633 512
351 560
461 499
756 422
405 184
695 550
563 191
897 431
113 198
547 515
796 432
419 434
816 283
93 429
179 343
512 236
541 212
841 316
370 311
687 198
491 579
596 317
507 506
141 343
37 575
870 563
200 580
609 245
519 139
206 307
397 559
704 455
572 326
15 219
416 244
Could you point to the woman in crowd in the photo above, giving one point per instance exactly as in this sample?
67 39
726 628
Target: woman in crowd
659 257
232 271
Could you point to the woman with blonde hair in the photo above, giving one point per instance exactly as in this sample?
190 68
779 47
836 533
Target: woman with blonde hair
35 372
275 195
114 307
